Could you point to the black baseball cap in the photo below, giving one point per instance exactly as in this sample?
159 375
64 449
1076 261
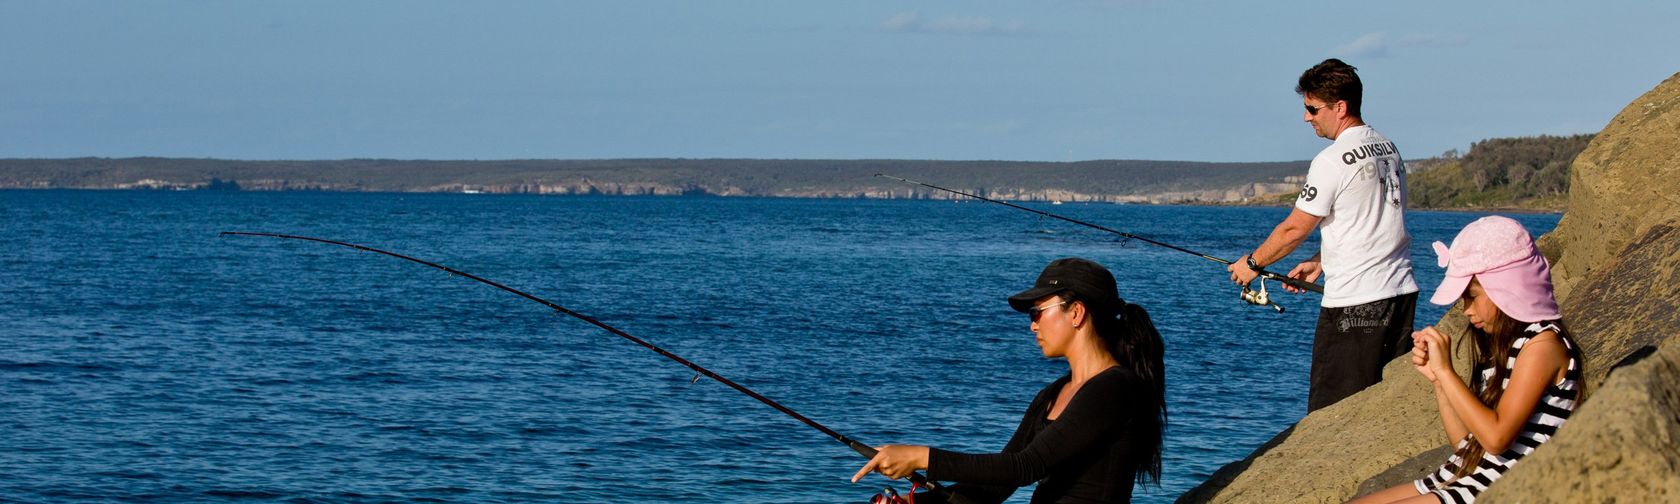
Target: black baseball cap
1088 281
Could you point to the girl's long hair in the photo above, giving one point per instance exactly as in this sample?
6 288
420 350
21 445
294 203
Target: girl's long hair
1132 340
1491 349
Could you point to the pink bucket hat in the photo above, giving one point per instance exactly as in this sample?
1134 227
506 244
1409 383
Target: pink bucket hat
1498 252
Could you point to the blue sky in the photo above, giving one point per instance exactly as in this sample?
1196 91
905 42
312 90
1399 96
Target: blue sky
1039 80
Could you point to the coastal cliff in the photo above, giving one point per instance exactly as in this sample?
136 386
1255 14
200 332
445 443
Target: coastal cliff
1616 262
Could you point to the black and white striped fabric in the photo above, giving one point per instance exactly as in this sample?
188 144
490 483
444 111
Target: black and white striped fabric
1555 405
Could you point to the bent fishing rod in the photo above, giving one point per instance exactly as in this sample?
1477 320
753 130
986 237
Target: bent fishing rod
862 449
1259 297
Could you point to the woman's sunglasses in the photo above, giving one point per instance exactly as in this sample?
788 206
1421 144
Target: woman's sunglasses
1035 311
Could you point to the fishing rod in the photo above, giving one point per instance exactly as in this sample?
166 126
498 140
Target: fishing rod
862 449
1260 297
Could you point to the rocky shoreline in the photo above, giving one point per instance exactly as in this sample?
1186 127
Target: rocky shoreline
1616 261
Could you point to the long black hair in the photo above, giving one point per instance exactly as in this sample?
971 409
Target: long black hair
1132 340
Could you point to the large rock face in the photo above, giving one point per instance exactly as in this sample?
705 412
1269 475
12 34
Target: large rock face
1622 184
1616 264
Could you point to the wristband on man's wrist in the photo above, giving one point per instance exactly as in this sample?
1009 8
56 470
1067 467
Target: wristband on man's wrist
1251 264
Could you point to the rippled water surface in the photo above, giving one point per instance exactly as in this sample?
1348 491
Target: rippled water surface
144 357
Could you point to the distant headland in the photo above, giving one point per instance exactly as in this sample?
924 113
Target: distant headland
1104 181
1530 172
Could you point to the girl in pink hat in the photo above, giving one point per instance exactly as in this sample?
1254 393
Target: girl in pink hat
1527 369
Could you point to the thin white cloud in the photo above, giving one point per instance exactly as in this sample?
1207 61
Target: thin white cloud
1379 44
912 22
1371 45
903 21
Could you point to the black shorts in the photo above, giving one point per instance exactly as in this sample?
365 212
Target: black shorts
1353 343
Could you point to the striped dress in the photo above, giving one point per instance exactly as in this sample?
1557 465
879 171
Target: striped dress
1556 403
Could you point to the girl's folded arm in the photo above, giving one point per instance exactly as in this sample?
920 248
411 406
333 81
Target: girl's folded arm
1449 418
1537 367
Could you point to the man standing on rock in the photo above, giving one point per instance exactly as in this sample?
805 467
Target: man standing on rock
1355 189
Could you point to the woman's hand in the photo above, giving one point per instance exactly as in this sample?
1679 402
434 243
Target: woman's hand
895 461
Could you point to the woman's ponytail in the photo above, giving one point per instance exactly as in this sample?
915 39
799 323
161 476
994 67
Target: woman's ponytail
1133 341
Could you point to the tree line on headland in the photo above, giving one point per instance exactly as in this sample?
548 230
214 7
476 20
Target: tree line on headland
1527 172
1523 173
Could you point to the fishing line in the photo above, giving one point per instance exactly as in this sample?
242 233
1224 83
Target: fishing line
1256 297
862 449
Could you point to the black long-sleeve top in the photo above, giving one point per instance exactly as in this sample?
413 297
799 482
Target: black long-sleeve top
1090 453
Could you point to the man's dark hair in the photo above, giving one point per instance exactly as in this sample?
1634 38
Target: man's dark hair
1330 81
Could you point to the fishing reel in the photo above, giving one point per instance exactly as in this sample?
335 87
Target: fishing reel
890 496
1259 297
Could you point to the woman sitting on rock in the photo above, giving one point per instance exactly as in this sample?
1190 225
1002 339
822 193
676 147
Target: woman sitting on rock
1088 435
1527 369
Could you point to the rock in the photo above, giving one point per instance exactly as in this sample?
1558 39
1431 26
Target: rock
1410 470
1630 302
1616 263
1623 183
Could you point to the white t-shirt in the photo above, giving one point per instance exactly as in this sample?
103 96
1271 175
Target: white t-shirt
1358 186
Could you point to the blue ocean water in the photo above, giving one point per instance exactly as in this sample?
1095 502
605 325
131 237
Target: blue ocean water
142 357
